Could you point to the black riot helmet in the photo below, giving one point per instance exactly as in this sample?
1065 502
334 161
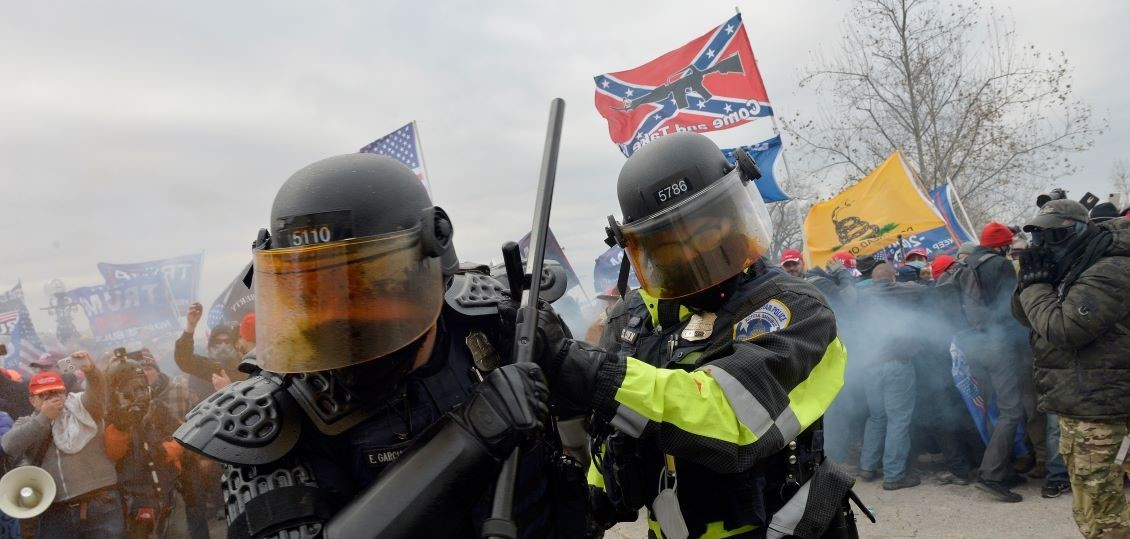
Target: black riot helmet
691 219
352 269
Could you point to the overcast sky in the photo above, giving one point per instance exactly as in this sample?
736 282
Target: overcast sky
138 130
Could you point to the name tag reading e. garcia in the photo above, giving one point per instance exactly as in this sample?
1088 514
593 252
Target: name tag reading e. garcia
670 190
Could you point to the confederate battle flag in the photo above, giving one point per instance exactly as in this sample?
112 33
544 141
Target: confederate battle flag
708 84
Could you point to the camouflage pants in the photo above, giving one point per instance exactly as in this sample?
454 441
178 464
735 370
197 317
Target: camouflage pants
1089 449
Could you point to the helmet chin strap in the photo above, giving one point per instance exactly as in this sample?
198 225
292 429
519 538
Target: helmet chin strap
426 349
712 298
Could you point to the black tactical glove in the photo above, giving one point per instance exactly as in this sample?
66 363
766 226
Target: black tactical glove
570 366
551 335
1037 265
573 374
508 407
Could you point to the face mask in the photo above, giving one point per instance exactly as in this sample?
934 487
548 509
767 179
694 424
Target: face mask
1058 240
917 264
133 397
222 352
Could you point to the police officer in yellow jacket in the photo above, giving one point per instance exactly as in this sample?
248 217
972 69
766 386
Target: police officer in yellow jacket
713 377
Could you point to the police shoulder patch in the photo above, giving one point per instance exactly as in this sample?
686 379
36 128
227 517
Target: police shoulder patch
773 316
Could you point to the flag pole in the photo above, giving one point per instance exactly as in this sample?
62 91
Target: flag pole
772 117
423 162
968 221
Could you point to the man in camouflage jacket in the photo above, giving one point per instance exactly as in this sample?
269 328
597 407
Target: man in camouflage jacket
1074 296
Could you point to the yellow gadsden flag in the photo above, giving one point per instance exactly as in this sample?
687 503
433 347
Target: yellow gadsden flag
870 215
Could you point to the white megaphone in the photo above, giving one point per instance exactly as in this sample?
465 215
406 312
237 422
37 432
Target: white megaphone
26 492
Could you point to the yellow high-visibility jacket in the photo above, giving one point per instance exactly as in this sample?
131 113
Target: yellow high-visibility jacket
724 405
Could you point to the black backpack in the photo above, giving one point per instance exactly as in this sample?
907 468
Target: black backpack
966 284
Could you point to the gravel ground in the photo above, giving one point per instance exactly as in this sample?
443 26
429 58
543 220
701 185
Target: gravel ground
931 510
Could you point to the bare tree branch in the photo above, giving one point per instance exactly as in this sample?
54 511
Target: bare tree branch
954 88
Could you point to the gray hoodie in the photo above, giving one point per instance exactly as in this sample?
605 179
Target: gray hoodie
88 470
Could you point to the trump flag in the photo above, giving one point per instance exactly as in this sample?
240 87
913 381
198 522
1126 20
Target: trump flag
709 84
943 198
870 215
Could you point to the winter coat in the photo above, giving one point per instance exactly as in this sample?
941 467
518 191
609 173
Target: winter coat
890 316
1081 338
837 286
987 304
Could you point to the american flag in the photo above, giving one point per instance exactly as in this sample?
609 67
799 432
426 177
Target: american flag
15 294
404 146
25 345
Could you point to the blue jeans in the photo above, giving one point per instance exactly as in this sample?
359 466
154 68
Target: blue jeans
890 405
1057 469
103 519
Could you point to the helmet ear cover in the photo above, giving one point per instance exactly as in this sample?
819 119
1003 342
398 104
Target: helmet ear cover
262 241
615 235
436 231
747 165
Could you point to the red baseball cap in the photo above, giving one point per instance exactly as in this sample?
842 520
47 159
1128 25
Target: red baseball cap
917 251
45 381
791 255
846 259
941 264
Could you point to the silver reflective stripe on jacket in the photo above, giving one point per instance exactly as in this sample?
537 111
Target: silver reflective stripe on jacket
785 521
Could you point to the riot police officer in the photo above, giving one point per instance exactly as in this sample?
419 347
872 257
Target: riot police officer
709 397
364 414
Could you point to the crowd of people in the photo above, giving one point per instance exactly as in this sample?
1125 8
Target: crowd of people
1038 315
102 428
727 379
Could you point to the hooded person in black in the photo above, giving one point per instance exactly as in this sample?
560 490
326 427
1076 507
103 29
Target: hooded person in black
222 359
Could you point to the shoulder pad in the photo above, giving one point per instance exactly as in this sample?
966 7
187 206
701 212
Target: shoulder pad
250 422
467 267
554 280
474 294
331 406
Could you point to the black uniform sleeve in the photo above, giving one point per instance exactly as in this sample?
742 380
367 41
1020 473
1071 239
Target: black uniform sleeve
278 500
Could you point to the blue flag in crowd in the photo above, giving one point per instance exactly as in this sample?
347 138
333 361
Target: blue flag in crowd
235 302
607 270
182 273
139 309
15 322
943 200
984 414
553 251
765 154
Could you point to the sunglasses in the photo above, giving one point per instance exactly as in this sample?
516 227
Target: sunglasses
51 394
1052 236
